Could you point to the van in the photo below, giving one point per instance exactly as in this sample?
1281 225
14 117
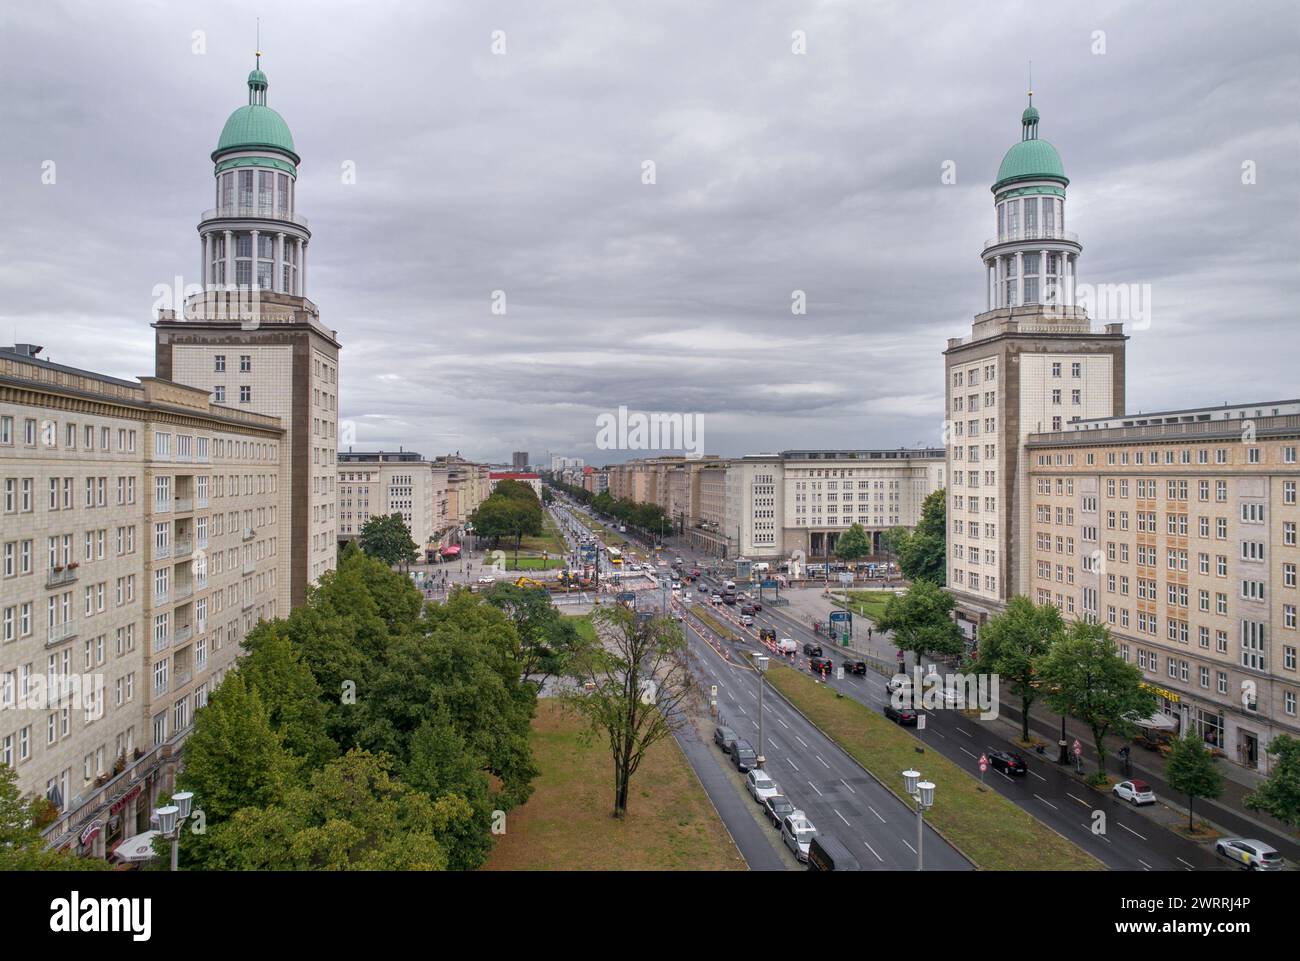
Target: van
826 853
787 645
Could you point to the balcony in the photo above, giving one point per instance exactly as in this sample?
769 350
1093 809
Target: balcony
162 552
255 211
184 504
1031 233
183 548
180 679
59 633
58 578
182 592
182 634
162 643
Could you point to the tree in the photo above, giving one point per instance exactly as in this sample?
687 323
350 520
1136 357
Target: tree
1010 645
639 684
1279 795
22 846
274 666
548 640
1084 675
922 553
387 538
353 816
1190 769
921 621
852 544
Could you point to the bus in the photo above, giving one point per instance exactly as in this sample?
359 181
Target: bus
616 557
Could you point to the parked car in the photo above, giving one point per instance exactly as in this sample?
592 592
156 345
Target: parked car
1251 854
1006 761
797 832
821 665
1135 792
904 716
855 667
724 737
776 807
743 756
827 853
760 785
812 650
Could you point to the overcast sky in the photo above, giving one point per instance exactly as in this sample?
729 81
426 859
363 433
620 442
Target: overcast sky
775 172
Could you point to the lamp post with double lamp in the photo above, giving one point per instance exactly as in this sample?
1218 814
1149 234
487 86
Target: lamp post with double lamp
922 793
171 821
760 665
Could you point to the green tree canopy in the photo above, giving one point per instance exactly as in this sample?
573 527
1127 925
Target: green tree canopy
1190 769
386 538
852 544
1084 675
22 846
1011 644
921 621
1279 795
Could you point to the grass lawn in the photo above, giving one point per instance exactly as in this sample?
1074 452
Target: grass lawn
718 627
991 830
532 563
584 626
566 825
550 540
869 603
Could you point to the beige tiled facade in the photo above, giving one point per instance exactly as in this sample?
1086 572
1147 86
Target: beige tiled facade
379 483
140 538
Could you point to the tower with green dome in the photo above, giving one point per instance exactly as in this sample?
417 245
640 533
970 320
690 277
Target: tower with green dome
254 236
1032 259
1031 364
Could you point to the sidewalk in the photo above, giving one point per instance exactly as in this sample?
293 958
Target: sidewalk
1228 812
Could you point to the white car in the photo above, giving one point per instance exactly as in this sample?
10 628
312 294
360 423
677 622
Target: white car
1135 792
487 579
1255 855
717 598
760 786
797 832
746 620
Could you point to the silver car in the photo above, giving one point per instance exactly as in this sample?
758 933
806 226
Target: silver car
797 832
1254 855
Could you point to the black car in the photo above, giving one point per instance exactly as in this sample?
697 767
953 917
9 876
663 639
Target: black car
904 716
813 650
855 667
724 737
747 608
757 606
743 756
821 665
1006 762
776 807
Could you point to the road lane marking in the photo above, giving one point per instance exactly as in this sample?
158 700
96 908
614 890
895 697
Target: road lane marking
783 724
876 813
1039 776
964 751
814 787
1130 830
1080 800
801 740
1189 867
1090 831
873 851
1144 864
966 732
848 785
842 818
819 757
791 763
909 847
1047 802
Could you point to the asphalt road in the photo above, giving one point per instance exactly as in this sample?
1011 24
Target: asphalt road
1131 842
836 794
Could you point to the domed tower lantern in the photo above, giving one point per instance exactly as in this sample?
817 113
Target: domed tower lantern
254 237
1032 260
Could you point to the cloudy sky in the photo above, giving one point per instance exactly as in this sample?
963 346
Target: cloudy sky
774 172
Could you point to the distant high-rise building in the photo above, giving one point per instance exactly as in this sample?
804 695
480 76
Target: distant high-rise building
520 460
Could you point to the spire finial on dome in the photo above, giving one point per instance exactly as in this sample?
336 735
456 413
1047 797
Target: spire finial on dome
257 80
1029 119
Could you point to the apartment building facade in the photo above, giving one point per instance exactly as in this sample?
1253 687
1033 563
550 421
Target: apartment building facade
140 544
385 482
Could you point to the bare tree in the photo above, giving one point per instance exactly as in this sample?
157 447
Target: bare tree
633 687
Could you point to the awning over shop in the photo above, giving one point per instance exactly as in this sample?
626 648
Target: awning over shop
452 551
1158 721
135 849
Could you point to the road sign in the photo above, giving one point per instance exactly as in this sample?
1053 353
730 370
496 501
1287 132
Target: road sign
1077 748
770 585
839 673
920 721
840 616
984 763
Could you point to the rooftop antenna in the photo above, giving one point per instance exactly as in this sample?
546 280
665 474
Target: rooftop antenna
258 52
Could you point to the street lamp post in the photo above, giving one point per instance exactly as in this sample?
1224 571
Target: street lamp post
760 663
922 793
171 821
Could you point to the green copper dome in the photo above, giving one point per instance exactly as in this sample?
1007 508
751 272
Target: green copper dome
256 125
1032 158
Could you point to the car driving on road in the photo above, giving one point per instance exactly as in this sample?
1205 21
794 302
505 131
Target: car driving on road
904 716
821 665
855 667
1251 854
1006 761
813 650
